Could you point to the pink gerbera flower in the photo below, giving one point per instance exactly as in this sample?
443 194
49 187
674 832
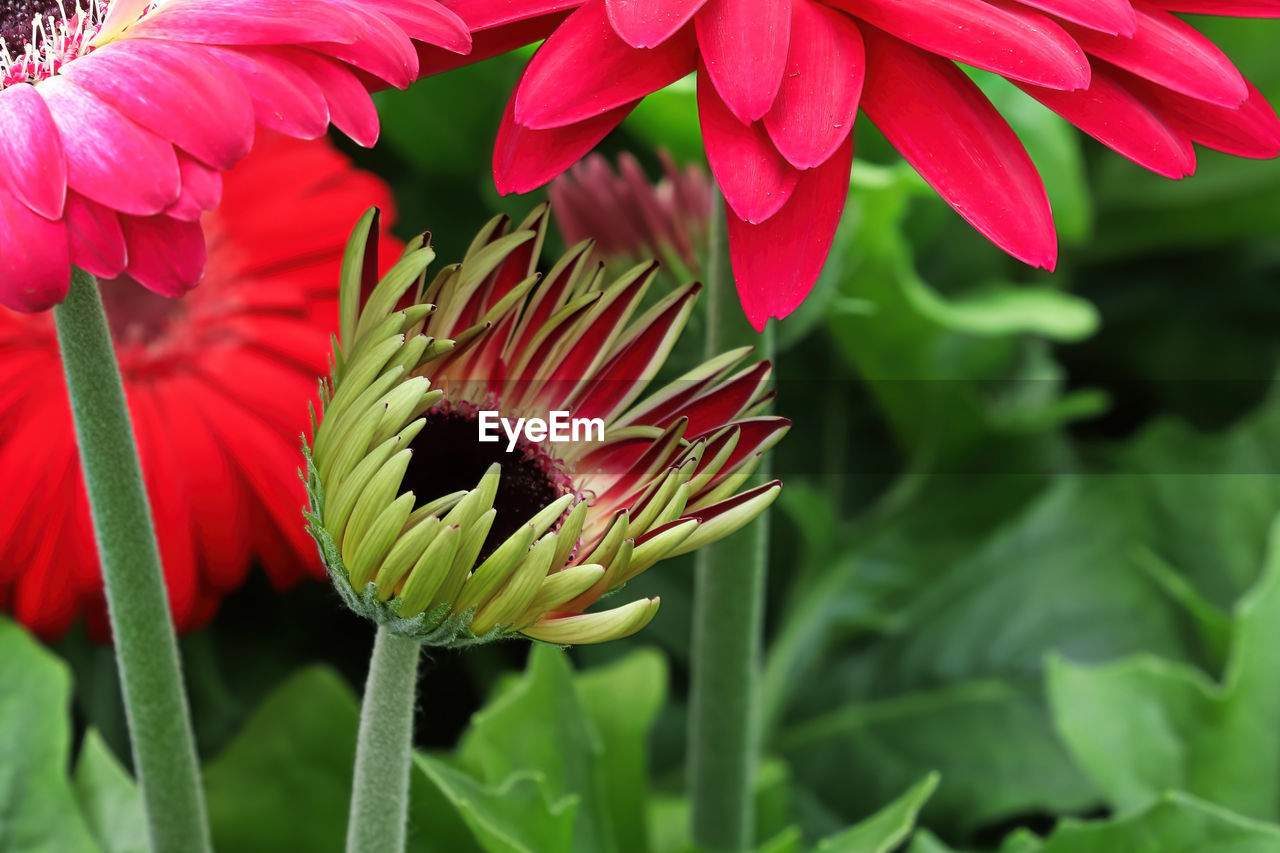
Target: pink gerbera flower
781 81
119 116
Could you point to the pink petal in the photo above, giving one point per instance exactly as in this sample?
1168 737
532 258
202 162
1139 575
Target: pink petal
647 23
1250 130
427 21
109 158
97 242
485 14
744 45
777 262
1234 8
35 264
1114 17
818 101
525 159
350 108
941 123
265 22
756 180
285 98
1117 118
181 93
381 49
1009 40
585 69
486 44
201 190
1168 51
32 163
166 255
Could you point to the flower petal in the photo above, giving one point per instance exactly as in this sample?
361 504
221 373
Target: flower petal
1117 118
109 158
818 101
585 69
381 49
35 264
201 189
166 255
944 127
285 98
1114 17
349 106
1009 40
233 22
1168 51
486 14
744 45
97 242
647 23
489 43
427 21
777 262
756 180
525 159
182 94
1250 130
32 163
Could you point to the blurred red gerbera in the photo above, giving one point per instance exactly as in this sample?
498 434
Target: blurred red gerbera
119 116
781 81
218 384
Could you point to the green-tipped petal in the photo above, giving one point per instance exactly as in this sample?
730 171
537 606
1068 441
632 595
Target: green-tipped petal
378 541
411 545
429 572
380 492
559 589
590 628
725 521
510 601
468 550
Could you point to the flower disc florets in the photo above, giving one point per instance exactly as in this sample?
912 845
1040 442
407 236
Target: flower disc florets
444 532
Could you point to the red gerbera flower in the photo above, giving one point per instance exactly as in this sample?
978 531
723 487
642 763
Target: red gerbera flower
218 384
780 83
117 118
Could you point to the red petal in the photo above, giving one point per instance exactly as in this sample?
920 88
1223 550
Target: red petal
1117 118
818 100
486 44
1234 8
165 255
585 69
485 14
97 243
525 159
1168 51
109 158
1250 130
1114 17
647 23
181 93
744 45
936 117
754 177
1006 39
777 262
35 262
32 163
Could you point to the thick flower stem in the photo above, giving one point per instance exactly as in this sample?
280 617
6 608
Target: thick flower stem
146 648
384 750
728 616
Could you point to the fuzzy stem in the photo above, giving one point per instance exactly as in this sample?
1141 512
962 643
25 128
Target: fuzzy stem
146 648
728 616
384 750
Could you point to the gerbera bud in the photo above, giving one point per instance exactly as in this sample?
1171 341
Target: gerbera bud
449 534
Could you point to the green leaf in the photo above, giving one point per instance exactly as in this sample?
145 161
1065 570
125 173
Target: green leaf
887 828
623 701
995 750
539 724
1144 725
109 798
520 815
284 783
1177 823
1007 310
38 808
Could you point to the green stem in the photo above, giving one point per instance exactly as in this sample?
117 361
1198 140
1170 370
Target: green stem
146 649
384 750
728 616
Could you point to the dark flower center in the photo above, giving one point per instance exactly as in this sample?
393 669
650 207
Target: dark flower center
137 316
448 457
16 17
